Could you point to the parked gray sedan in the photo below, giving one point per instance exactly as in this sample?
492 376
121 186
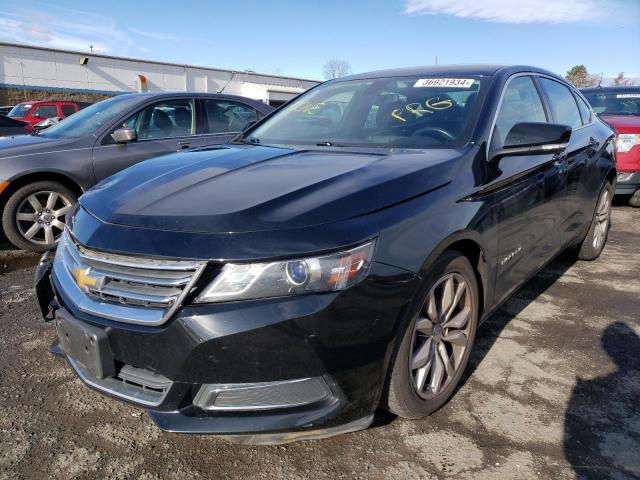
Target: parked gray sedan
42 175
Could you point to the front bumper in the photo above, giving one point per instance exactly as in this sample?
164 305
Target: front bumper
342 340
627 183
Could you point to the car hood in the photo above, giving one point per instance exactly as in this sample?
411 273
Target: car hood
623 123
251 189
19 145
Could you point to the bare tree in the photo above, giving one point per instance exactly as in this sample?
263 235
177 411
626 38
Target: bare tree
621 80
336 68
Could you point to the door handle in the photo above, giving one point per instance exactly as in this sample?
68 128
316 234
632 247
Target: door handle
184 144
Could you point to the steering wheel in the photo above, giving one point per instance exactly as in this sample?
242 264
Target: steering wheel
433 132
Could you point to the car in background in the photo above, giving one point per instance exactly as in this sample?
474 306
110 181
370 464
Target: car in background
37 111
335 258
4 110
42 175
620 108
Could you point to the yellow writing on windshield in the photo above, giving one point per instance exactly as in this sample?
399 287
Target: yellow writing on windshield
308 108
417 108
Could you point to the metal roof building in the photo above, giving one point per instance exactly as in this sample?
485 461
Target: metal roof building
38 69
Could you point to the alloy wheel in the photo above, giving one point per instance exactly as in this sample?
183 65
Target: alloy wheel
441 335
40 217
602 220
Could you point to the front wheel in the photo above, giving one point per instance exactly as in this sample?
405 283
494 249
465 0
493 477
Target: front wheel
34 216
435 348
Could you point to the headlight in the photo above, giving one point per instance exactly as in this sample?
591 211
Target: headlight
324 273
626 141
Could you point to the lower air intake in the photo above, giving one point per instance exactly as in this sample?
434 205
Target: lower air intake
262 396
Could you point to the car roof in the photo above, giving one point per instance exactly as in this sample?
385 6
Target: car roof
220 96
612 89
449 70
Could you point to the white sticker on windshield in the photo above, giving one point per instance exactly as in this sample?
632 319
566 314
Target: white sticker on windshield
628 95
444 82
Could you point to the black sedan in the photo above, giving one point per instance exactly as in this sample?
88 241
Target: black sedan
337 257
42 175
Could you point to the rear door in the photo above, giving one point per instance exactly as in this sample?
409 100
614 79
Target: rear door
162 127
577 203
528 191
224 119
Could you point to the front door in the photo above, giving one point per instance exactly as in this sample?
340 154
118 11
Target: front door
162 127
528 193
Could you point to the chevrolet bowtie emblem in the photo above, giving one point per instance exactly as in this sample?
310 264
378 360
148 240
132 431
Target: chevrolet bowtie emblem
83 279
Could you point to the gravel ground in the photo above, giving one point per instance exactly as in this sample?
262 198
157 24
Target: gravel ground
552 392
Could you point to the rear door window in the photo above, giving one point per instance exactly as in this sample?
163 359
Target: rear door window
585 111
564 108
228 117
520 103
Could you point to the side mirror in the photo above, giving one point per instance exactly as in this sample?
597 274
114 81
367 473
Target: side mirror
124 135
532 138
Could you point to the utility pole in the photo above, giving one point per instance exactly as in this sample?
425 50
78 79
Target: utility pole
436 61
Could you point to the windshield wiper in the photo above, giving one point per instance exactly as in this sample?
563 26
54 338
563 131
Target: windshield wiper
252 141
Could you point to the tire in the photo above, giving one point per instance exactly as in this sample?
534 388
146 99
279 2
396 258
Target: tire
32 228
596 238
634 201
403 395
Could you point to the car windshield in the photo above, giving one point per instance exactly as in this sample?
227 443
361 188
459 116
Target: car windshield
90 119
392 112
19 111
614 103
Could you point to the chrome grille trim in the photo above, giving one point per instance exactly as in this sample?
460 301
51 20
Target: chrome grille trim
135 290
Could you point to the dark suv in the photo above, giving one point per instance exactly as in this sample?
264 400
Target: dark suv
337 257
42 175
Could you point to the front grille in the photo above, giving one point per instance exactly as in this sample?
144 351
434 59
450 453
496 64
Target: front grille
121 287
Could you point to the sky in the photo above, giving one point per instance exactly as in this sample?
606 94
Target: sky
297 37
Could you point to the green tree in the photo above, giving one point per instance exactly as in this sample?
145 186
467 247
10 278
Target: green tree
579 76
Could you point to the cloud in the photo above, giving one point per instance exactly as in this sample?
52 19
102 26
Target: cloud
164 37
154 35
511 11
24 24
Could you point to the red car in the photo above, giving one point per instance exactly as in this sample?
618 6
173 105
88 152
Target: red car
36 112
620 108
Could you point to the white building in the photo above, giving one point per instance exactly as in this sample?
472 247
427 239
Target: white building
30 68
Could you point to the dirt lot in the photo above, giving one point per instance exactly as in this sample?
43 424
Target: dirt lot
553 392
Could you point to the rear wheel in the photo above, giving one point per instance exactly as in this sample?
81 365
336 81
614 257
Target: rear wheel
596 238
435 349
34 216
